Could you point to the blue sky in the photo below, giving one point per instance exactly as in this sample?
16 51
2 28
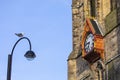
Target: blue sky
48 24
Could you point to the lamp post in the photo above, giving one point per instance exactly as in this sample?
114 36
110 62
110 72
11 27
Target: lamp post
29 55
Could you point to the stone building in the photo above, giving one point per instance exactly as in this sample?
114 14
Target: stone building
106 14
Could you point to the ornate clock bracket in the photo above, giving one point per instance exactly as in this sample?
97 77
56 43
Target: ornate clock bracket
96 51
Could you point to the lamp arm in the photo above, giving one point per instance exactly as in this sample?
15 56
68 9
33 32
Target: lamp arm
19 41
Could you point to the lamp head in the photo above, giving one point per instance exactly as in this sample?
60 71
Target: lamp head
30 55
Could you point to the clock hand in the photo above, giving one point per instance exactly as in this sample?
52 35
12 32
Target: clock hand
87 43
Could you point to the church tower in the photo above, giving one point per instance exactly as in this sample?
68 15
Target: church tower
96 40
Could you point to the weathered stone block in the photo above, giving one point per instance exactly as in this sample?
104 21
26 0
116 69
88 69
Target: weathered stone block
111 21
81 65
111 47
75 11
71 69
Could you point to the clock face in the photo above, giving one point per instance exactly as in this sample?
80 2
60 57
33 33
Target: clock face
89 42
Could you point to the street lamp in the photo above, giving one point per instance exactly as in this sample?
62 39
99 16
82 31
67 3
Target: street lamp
30 55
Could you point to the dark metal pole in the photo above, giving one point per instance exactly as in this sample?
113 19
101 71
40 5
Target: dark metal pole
9 68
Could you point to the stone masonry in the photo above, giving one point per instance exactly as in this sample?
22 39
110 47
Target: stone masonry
107 14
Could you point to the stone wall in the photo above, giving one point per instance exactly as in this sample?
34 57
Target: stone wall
111 47
77 21
72 70
82 65
77 28
111 54
78 68
112 50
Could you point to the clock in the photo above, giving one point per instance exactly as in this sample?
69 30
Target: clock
89 42
92 42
